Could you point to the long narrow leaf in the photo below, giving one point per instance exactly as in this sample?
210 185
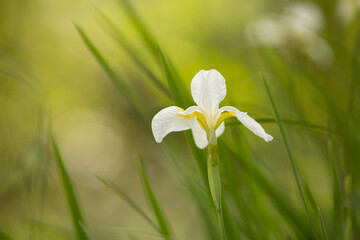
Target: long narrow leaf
129 48
277 198
163 224
287 146
140 26
322 225
127 199
117 80
73 204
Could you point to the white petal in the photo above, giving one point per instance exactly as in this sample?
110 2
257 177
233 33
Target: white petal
200 137
220 130
248 122
208 89
169 120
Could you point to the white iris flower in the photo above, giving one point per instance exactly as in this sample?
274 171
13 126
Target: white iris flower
206 120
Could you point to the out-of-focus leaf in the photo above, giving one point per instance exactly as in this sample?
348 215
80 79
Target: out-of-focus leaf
127 199
164 228
3 236
129 48
73 204
117 80
288 150
322 225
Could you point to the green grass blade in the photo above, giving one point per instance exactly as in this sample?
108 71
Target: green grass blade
133 231
127 199
348 212
164 228
180 99
3 236
338 198
117 80
289 122
322 225
287 146
278 199
77 218
173 79
140 26
125 44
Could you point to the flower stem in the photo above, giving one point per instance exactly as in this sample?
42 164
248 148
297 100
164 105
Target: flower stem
215 183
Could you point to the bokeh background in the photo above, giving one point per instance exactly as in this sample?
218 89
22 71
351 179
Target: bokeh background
51 84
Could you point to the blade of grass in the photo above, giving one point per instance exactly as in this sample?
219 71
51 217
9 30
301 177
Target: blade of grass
140 26
191 183
179 100
347 208
164 228
127 199
278 199
117 80
133 231
125 44
338 197
287 146
322 225
73 204
173 79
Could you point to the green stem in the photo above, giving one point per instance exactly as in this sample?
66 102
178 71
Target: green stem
214 181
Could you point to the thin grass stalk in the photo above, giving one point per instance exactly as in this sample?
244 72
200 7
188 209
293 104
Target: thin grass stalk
293 166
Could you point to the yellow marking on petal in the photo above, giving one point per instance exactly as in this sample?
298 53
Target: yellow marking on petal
222 117
199 117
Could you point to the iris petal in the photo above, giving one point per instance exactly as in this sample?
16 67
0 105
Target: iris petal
208 89
247 121
170 119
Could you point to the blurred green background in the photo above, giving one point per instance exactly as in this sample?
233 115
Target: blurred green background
51 84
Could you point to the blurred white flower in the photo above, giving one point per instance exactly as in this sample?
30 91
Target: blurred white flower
206 120
346 10
298 26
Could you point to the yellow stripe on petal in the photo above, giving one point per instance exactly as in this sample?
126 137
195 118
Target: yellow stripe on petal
222 118
200 118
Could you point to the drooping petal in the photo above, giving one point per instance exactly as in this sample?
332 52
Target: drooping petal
200 137
172 119
247 121
220 130
208 89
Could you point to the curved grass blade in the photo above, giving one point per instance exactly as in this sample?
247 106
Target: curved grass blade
322 225
127 199
140 26
76 215
277 198
125 44
173 79
133 231
287 146
338 197
117 80
164 228
347 208
174 83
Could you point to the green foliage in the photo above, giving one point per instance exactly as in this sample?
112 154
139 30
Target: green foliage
72 200
268 191
164 228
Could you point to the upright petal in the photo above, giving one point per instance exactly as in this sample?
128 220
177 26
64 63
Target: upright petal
200 137
208 89
247 121
172 119
220 130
